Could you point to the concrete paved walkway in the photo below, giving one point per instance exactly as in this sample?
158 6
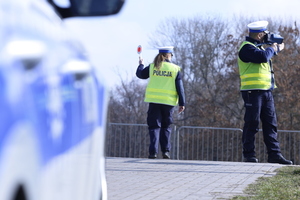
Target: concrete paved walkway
161 179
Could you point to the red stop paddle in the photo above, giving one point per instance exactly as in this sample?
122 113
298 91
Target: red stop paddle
139 50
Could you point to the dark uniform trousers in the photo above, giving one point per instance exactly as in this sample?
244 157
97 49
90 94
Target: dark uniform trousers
159 120
259 105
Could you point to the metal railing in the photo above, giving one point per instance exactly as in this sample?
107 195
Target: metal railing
209 143
196 143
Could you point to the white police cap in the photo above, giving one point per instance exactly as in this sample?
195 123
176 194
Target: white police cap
167 49
257 27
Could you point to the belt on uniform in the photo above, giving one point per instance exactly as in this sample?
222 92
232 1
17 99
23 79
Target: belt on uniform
257 91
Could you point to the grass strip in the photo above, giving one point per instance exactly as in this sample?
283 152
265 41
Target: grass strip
285 185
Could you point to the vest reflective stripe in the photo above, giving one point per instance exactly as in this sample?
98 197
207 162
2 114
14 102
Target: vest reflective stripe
161 87
254 76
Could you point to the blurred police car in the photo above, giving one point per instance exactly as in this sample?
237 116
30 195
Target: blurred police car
52 106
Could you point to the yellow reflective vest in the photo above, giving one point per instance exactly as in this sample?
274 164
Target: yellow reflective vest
254 76
161 87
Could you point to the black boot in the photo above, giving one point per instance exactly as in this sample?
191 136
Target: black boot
152 156
279 159
166 155
250 159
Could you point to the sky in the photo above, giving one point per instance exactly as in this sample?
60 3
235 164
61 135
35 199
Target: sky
111 42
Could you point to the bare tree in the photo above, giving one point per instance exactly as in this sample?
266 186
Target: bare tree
287 71
127 104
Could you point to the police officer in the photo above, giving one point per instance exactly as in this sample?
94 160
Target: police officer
164 91
257 83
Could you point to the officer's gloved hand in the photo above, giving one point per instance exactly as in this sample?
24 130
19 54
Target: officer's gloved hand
277 47
280 46
181 109
141 61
